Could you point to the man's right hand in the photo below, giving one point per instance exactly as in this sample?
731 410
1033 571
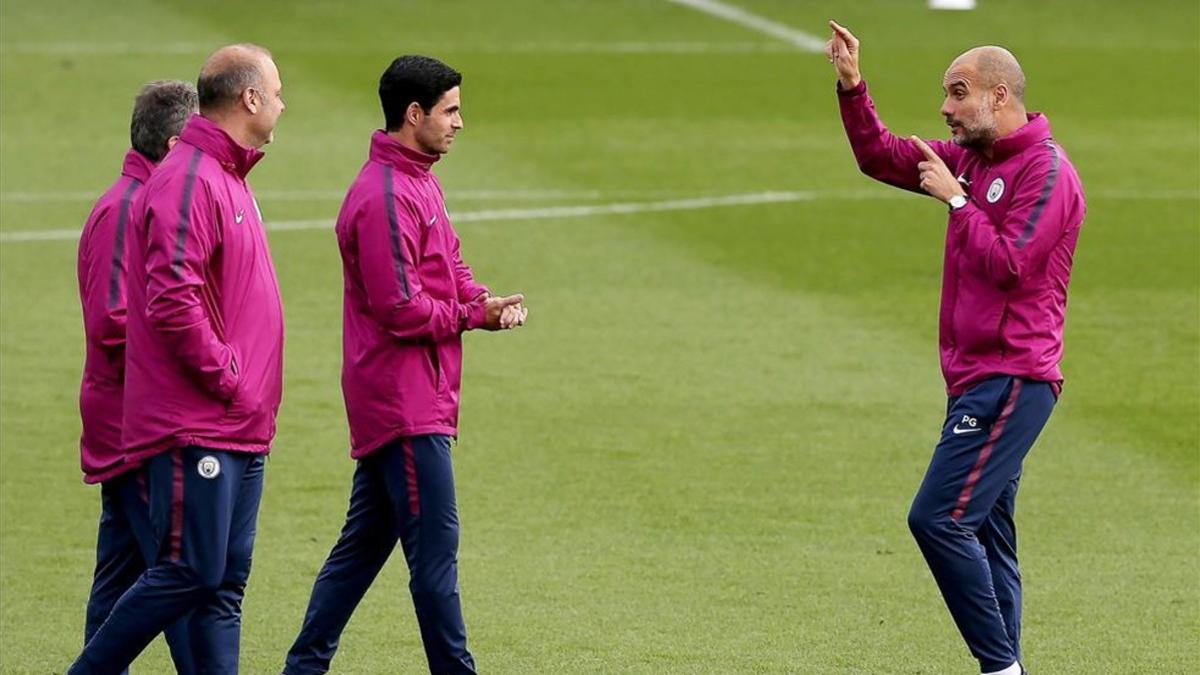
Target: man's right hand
504 312
842 52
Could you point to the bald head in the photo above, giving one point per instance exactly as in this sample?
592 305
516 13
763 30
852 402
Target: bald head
994 66
985 97
230 71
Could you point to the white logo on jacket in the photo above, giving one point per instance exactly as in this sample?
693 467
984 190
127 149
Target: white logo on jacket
996 191
208 467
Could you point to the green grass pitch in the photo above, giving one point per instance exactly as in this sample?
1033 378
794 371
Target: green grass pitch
699 454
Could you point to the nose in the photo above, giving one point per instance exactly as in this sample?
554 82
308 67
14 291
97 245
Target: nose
946 111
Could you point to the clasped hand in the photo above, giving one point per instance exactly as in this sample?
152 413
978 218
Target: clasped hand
504 312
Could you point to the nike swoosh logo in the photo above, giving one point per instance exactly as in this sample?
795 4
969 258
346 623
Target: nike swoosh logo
238 218
432 221
959 432
964 181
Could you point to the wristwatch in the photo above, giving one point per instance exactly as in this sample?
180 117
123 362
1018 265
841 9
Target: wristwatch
957 202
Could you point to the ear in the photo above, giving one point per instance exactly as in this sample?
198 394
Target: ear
413 114
171 142
1000 96
250 100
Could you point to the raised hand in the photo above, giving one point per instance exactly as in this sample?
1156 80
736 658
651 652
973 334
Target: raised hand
842 52
936 178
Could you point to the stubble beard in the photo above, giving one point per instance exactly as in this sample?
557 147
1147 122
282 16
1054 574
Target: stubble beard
982 132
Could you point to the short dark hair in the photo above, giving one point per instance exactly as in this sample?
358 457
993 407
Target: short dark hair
159 112
412 78
225 76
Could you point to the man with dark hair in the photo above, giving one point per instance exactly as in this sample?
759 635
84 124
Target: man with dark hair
125 541
203 371
409 297
1016 208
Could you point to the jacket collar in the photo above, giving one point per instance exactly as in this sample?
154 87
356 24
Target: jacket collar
137 166
214 142
1035 130
388 150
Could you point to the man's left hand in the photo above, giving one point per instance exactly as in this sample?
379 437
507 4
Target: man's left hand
936 178
513 316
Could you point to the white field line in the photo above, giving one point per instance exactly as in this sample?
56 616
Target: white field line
582 211
499 215
55 197
525 195
63 49
734 14
71 48
625 208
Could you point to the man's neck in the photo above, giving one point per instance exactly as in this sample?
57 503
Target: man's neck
405 137
1007 123
228 124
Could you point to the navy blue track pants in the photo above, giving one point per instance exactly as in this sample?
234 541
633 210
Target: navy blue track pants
125 547
204 506
962 516
402 492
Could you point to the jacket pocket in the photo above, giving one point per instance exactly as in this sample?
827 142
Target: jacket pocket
1002 333
234 373
439 375
245 401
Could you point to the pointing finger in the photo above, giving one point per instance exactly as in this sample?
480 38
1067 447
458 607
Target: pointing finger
843 33
924 147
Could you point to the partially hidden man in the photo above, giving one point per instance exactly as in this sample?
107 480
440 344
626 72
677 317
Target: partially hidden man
125 539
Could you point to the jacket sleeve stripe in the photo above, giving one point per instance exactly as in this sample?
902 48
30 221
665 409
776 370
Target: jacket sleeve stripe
185 211
1040 206
118 256
389 199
